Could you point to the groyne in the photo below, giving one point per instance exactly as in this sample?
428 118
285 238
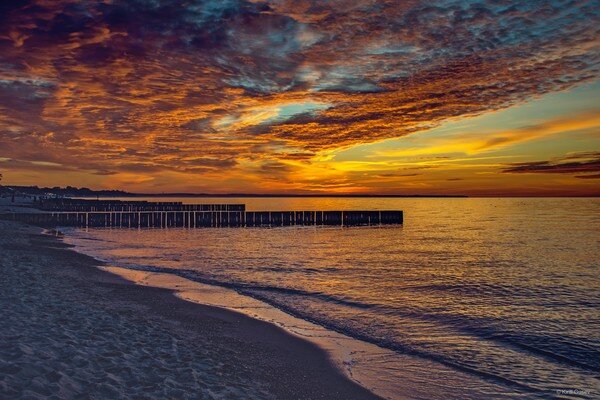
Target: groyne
133 214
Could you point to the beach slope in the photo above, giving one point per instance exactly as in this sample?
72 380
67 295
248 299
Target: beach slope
71 330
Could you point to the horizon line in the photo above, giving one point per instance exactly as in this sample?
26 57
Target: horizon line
123 193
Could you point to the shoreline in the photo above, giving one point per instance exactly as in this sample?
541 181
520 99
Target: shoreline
385 373
362 362
260 358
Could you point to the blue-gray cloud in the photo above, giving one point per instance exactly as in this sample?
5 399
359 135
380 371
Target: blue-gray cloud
579 163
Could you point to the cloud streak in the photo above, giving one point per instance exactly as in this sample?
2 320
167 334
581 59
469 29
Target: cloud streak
580 163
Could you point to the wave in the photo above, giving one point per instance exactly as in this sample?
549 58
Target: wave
261 292
548 354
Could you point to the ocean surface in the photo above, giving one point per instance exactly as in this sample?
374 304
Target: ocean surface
506 291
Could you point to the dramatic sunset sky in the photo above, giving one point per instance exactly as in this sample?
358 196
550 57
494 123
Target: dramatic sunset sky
474 97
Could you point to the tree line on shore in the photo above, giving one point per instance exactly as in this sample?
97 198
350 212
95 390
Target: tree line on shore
69 191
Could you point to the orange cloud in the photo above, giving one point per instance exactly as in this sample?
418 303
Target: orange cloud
245 91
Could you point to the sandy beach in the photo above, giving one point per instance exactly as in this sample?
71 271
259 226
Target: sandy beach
71 330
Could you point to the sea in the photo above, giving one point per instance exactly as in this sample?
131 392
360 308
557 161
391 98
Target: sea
469 298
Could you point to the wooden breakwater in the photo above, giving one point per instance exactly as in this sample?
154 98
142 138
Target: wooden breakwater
120 205
114 214
201 219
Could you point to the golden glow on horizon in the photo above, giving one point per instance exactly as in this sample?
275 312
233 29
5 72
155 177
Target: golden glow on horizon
435 161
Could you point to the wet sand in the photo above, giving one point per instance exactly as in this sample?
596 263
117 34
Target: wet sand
71 330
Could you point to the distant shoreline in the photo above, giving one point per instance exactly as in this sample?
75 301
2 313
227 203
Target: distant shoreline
70 191
286 195
342 196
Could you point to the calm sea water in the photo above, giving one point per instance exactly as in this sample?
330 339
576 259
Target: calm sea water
507 290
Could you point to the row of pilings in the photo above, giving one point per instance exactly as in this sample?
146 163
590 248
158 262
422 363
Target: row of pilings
147 214
201 219
67 204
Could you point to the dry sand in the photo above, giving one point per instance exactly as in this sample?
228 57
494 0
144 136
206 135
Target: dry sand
69 330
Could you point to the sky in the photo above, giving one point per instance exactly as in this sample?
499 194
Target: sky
481 97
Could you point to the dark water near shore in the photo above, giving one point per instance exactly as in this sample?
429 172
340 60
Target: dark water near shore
507 290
